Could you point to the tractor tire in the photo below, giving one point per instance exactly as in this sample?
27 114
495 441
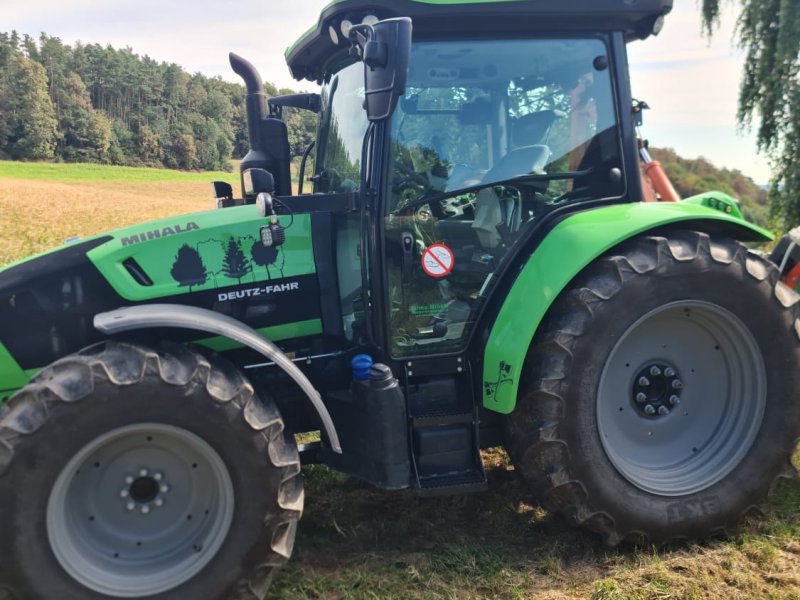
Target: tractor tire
131 472
658 401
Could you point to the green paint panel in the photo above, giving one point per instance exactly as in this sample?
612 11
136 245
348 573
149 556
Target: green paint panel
274 334
11 374
566 251
201 251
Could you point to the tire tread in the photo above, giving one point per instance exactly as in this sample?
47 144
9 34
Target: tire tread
73 378
532 430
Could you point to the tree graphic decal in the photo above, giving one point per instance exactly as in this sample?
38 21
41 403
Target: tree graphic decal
188 268
263 255
235 264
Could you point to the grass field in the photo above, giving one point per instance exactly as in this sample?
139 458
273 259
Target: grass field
42 204
356 542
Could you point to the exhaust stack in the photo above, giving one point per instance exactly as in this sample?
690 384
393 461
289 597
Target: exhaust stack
268 137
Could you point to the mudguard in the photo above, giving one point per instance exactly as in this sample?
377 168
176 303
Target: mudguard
566 251
200 319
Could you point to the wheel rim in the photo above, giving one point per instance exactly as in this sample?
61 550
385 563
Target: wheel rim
140 510
672 438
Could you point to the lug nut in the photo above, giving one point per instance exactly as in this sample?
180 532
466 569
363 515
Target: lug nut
644 381
164 489
641 397
143 472
655 371
669 372
649 409
159 502
123 493
158 476
129 480
663 410
130 505
674 400
676 384
145 509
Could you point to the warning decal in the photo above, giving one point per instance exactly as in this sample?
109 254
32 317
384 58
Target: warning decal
437 260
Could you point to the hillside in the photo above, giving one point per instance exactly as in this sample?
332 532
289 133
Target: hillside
89 103
696 175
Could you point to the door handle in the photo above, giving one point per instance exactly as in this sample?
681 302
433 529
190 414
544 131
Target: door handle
407 242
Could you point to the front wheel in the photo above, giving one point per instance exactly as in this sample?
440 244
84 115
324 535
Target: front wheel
127 472
659 397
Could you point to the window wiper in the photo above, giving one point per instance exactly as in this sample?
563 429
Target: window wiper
517 180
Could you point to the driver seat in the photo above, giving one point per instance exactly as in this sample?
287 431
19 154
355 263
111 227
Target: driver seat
491 210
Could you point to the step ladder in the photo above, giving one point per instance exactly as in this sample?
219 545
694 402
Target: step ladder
443 427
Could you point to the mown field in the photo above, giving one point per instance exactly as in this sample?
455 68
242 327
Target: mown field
356 542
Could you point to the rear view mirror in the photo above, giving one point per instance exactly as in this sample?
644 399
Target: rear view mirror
385 49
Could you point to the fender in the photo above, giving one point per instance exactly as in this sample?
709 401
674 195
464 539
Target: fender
199 319
566 251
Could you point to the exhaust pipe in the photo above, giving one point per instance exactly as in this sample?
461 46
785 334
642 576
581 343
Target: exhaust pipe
256 99
268 137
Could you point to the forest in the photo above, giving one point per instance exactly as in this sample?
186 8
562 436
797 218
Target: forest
89 103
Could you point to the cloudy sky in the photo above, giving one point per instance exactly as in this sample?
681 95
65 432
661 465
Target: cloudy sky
690 84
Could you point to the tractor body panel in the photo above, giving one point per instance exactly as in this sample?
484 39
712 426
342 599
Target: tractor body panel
566 250
211 260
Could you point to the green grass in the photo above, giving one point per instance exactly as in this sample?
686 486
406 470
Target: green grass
359 543
86 172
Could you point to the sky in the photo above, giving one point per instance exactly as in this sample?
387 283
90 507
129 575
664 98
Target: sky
690 83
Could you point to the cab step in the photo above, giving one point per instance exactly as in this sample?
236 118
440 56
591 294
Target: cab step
456 483
444 429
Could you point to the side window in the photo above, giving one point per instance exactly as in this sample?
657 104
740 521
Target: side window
343 125
490 136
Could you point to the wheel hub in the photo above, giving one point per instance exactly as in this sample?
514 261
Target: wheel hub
683 420
140 510
145 492
656 390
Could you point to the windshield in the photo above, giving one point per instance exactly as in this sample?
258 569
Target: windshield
489 136
343 124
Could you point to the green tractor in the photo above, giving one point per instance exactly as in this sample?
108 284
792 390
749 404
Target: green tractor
474 267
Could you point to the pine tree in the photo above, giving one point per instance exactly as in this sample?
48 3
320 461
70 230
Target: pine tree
235 265
29 126
188 268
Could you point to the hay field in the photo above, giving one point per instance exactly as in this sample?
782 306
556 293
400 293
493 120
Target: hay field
42 205
356 542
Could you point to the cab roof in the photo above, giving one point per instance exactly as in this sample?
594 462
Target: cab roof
308 56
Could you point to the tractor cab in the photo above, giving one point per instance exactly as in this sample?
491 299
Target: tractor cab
440 158
509 113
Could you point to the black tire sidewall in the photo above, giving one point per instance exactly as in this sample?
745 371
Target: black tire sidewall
40 458
722 505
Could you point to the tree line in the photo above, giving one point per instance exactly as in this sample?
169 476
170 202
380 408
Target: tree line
90 103
692 176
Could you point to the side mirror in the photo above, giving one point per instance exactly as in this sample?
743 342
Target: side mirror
385 49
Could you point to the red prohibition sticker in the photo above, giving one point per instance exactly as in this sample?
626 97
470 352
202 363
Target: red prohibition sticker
437 260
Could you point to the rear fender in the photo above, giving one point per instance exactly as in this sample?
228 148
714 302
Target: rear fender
572 245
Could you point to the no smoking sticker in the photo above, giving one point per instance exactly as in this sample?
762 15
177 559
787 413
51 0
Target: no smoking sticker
437 260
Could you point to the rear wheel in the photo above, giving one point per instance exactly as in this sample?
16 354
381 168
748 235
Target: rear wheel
132 473
658 400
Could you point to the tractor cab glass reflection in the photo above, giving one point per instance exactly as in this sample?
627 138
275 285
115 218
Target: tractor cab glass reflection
489 136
